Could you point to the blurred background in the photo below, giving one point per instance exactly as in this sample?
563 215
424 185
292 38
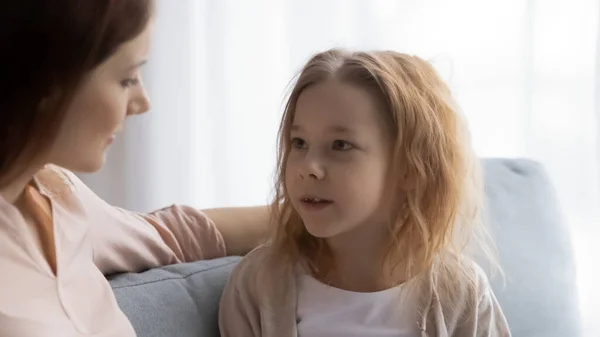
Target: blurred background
526 73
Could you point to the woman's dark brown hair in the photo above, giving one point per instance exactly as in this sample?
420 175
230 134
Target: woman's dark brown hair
47 49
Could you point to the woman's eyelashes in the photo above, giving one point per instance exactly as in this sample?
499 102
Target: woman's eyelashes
336 145
130 82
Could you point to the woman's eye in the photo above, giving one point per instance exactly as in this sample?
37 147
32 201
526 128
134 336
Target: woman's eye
130 82
342 145
298 143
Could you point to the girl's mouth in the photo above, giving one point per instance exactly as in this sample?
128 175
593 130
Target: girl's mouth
315 203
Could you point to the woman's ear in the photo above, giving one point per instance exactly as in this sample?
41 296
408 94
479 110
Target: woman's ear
51 100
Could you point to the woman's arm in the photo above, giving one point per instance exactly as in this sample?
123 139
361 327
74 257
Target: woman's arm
125 241
242 228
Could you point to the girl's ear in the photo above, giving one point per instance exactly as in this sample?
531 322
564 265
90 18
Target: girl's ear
407 178
408 183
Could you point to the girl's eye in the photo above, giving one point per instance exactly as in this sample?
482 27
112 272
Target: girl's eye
298 143
130 82
342 145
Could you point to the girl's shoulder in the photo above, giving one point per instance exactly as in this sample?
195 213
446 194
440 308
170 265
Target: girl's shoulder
260 297
261 270
261 260
250 263
463 281
464 294
481 311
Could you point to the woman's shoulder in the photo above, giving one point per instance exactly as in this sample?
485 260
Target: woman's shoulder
64 188
53 180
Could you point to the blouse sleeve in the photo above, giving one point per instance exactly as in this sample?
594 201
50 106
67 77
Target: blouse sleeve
125 241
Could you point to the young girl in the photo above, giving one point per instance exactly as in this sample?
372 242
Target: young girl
378 193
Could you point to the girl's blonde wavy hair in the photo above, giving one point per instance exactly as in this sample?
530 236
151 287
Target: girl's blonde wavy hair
440 218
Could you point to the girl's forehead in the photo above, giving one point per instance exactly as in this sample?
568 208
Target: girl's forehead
336 103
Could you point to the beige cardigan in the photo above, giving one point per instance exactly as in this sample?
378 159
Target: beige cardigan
258 302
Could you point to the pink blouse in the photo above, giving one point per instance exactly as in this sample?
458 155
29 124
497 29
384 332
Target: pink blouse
52 273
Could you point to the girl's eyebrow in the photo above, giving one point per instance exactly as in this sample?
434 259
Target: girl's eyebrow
332 128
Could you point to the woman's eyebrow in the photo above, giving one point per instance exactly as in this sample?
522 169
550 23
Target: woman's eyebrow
137 65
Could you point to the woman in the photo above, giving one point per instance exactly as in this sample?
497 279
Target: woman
69 77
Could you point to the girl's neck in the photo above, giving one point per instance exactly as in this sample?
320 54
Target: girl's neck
358 257
357 277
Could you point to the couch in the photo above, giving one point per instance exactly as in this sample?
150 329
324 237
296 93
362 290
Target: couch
538 295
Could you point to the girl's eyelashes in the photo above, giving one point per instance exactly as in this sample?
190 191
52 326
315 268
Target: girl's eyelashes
298 143
342 145
336 145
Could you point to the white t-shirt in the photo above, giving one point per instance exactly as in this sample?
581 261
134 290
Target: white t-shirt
325 311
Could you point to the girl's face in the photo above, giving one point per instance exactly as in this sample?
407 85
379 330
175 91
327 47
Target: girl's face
336 171
112 92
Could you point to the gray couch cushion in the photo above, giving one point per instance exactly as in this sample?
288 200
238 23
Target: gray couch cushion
540 296
179 300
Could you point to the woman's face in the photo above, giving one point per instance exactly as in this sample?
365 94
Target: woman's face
113 91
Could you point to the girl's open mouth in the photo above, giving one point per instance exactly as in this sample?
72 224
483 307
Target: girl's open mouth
315 203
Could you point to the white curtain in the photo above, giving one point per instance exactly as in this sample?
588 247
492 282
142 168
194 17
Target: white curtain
525 72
